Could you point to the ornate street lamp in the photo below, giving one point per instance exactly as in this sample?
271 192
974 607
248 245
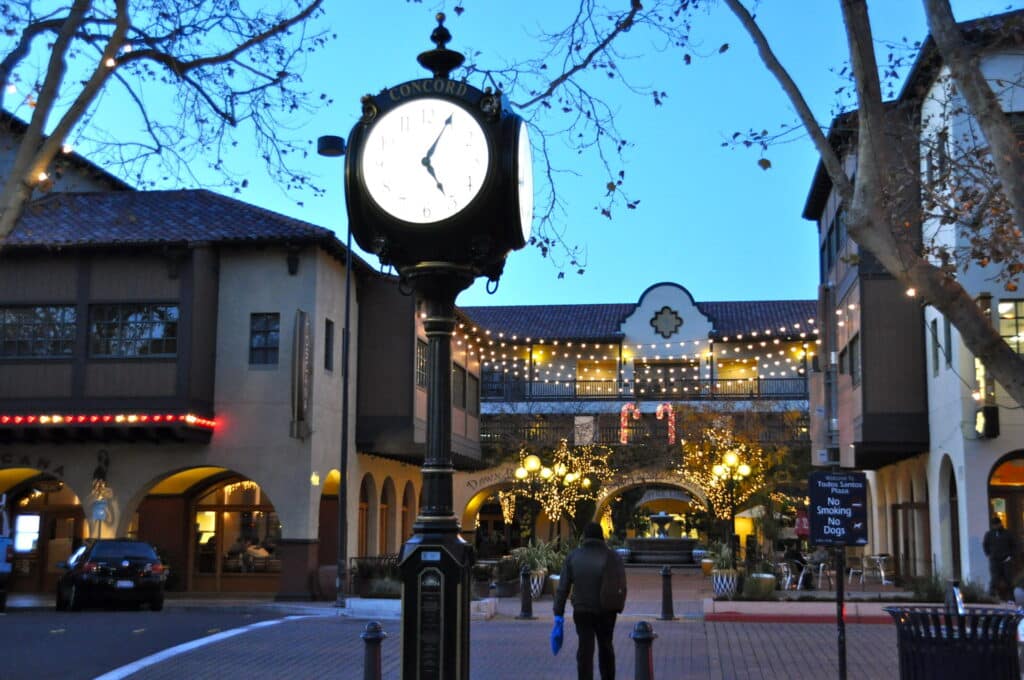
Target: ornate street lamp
569 479
731 471
438 183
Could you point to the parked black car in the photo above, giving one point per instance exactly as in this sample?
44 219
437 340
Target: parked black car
112 570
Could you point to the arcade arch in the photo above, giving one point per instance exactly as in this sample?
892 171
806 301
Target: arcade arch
48 522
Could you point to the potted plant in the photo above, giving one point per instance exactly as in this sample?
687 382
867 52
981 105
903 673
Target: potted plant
760 583
506 577
724 576
535 556
707 561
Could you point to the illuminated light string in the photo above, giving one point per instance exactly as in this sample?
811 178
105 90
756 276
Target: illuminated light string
568 361
55 419
665 411
624 414
700 457
570 476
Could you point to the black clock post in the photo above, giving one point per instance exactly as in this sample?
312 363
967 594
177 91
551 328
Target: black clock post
438 185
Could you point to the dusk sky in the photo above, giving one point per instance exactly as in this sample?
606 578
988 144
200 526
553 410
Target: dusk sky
709 218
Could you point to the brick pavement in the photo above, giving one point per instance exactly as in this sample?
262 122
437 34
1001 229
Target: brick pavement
506 648
501 649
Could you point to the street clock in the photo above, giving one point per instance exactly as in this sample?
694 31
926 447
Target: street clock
440 171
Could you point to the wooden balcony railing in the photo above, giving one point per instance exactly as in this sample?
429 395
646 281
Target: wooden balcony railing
525 432
500 388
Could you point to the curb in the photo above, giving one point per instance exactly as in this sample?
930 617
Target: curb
739 617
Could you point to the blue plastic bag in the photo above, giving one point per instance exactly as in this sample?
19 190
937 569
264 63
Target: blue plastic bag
556 635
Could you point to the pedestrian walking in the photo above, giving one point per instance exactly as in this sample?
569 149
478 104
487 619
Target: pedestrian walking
999 548
597 578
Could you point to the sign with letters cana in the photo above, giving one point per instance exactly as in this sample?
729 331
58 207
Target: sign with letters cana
838 510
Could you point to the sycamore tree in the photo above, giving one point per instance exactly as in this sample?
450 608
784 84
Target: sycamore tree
557 90
183 80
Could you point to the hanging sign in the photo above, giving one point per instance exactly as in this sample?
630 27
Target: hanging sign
838 510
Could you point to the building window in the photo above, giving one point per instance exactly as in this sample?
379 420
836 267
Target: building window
328 345
421 363
935 346
473 395
37 332
947 341
1011 323
133 330
264 338
854 350
458 386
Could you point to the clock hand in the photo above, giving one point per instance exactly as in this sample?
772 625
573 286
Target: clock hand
430 151
430 169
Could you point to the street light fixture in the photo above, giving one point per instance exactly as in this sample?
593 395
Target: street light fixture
332 146
731 471
567 480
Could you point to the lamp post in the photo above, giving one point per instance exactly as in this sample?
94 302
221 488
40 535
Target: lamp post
332 146
731 471
438 183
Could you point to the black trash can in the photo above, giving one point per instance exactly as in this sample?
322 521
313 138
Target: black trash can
935 644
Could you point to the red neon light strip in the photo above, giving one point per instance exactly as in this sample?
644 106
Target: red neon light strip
50 419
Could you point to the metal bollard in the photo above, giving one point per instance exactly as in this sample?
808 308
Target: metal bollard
643 636
372 636
525 597
667 611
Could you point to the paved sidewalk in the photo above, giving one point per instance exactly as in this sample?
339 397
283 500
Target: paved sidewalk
503 649
324 644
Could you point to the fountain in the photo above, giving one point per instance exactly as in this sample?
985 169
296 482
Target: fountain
661 549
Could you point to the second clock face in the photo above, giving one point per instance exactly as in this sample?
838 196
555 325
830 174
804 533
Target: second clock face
425 160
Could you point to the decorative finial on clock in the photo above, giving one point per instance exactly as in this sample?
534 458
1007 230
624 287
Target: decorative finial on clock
441 61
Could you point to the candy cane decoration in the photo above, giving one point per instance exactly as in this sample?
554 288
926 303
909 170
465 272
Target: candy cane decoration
665 409
628 408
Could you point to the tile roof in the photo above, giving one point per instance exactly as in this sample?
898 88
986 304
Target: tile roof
153 217
602 321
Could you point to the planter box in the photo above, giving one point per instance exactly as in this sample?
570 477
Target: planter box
759 586
506 588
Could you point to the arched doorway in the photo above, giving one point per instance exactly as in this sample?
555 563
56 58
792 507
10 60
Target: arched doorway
202 520
367 525
387 542
949 518
48 524
1006 493
408 510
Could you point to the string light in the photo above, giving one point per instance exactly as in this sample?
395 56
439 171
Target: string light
573 475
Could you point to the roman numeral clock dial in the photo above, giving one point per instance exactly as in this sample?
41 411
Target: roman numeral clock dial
425 160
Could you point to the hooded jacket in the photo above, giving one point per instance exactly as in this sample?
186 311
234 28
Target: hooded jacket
585 570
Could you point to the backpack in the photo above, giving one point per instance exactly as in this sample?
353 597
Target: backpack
613 584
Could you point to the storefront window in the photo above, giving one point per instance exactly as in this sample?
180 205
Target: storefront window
237 530
26 533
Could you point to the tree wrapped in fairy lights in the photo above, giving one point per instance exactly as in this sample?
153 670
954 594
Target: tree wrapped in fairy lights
559 481
707 459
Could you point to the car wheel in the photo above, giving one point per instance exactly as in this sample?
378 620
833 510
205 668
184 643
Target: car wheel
74 598
157 603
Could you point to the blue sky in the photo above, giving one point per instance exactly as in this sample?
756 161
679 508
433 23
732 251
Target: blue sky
709 217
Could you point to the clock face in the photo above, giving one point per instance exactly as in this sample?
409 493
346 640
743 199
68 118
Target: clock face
524 167
425 160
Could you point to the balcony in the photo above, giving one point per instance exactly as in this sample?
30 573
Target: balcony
502 388
510 432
